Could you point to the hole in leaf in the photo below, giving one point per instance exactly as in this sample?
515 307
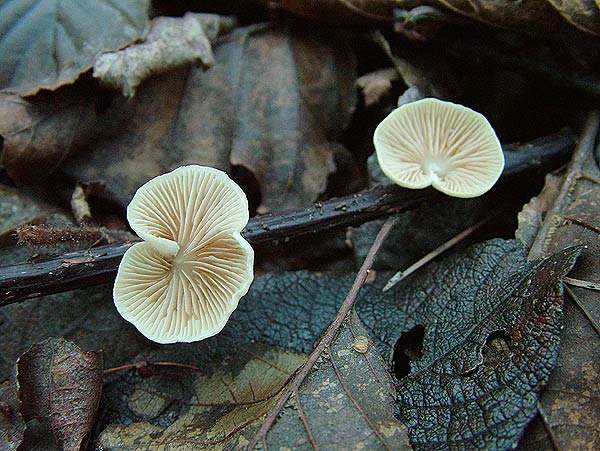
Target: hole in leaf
497 349
408 347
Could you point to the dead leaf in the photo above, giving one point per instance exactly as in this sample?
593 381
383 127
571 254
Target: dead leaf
570 405
274 102
87 317
60 385
46 44
11 423
221 408
172 42
584 14
377 84
350 395
349 392
472 340
532 215
40 132
525 16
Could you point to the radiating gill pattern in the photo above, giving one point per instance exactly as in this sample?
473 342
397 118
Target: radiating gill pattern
162 207
184 299
187 294
437 143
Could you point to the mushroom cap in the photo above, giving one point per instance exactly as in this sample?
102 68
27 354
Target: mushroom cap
185 279
443 144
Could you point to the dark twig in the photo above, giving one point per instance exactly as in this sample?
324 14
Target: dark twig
99 265
328 336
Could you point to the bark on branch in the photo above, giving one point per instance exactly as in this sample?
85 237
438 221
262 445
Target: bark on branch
99 265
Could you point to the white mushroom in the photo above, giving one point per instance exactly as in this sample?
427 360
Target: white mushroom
448 146
185 279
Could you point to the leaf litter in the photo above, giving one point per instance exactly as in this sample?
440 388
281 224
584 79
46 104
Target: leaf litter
493 292
488 348
60 386
274 103
171 43
570 406
46 44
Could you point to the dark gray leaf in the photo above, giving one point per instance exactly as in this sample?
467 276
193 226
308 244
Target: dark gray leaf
47 43
490 335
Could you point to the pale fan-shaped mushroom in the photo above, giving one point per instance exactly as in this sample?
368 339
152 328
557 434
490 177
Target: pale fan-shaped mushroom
448 146
183 282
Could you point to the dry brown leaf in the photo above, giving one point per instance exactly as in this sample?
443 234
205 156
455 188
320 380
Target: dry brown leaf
223 412
540 17
11 423
377 84
349 394
526 15
40 132
570 405
273 103
60 385
171 43
531 217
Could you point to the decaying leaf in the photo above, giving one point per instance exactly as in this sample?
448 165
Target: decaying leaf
584 14
86 317
532 215
349 392
526 15
11 423
60 385
490 330
376 85
220 409
542 17
570 406
46 43
273 103
172 42
39 133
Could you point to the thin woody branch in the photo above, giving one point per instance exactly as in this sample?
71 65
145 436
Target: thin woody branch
99 265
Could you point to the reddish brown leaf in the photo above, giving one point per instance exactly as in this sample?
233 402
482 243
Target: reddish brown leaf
60 385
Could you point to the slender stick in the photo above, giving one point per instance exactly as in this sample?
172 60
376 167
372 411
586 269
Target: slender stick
400 275
267 232
329 334
99 264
